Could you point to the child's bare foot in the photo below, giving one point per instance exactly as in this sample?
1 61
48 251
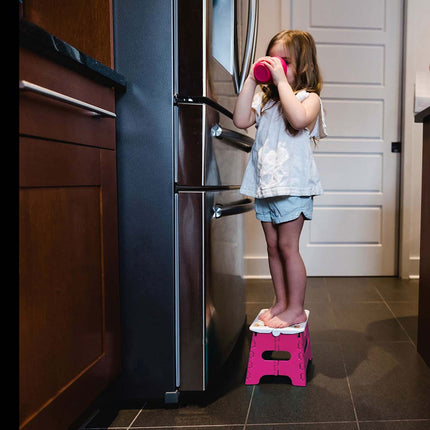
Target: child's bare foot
276 309
286 318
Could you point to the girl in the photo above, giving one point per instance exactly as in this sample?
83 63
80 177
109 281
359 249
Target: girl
281 172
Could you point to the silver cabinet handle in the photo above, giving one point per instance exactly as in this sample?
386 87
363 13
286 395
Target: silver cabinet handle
237 139
28 86
234 208
250 45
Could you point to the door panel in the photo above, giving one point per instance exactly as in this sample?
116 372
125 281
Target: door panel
354 229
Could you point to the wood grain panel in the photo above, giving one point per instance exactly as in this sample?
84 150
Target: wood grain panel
51 119
423 343
43 162
69 325
61 306
86 25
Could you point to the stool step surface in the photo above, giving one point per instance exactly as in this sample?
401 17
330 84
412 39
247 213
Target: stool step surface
258 326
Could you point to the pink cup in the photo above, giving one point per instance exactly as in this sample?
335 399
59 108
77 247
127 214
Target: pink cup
262 73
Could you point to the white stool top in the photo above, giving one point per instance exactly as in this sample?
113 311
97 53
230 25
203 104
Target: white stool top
258 326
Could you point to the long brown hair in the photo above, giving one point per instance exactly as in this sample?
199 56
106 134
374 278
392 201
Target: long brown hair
301 46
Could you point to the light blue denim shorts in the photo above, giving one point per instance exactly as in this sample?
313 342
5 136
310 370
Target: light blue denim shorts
283 208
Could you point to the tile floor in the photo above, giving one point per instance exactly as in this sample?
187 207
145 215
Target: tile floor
365 373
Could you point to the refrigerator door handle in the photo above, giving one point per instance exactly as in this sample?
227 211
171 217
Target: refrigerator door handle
250 45
237 139
234 208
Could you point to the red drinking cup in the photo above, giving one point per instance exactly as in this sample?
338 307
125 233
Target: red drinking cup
262 73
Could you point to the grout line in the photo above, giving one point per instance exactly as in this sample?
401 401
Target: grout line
89 419
395 317
350 393
344 368
328 294
347 381
135 418
249 408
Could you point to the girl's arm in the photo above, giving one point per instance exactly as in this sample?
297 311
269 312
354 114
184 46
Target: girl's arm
243 114
299 114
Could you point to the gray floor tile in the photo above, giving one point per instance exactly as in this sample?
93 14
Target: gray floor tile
396 425
305 426
388 380
316 291
259 290
275 400
226 410
367 321
407 315
362 335
394 289
203 427
109 417
351 290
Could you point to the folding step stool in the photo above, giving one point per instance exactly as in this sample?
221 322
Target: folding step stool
294 339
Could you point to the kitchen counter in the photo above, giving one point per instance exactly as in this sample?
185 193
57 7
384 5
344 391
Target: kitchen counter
38 40
423 344
423 116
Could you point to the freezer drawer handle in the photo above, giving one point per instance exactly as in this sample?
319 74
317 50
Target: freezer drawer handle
239 140
234 208
28 86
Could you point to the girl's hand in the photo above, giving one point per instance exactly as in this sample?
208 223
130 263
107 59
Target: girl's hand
277 71
251 70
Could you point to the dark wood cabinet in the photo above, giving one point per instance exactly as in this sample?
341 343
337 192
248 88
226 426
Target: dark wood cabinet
84 24
68 246
423 341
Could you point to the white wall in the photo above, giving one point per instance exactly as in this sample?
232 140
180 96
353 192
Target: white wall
275 16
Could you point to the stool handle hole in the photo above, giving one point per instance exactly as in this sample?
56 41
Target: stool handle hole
276 355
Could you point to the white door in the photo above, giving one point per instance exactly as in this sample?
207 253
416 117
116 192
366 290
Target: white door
359 44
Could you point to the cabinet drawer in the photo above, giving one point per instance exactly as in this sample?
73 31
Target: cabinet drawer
51 118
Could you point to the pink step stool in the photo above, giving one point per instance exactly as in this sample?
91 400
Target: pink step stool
294 339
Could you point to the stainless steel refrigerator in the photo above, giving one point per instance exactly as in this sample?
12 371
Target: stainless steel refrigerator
180 164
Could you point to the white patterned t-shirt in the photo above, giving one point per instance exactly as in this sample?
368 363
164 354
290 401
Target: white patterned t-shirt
281 164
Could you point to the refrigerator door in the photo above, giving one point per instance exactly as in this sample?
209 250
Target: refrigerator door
209 152
211 311
216 42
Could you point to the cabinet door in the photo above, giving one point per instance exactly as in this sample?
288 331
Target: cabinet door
69 304
86 25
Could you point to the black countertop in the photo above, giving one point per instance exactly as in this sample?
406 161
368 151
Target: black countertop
38 40
423 116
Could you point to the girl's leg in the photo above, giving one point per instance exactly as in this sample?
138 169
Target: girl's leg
295 274
276 271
